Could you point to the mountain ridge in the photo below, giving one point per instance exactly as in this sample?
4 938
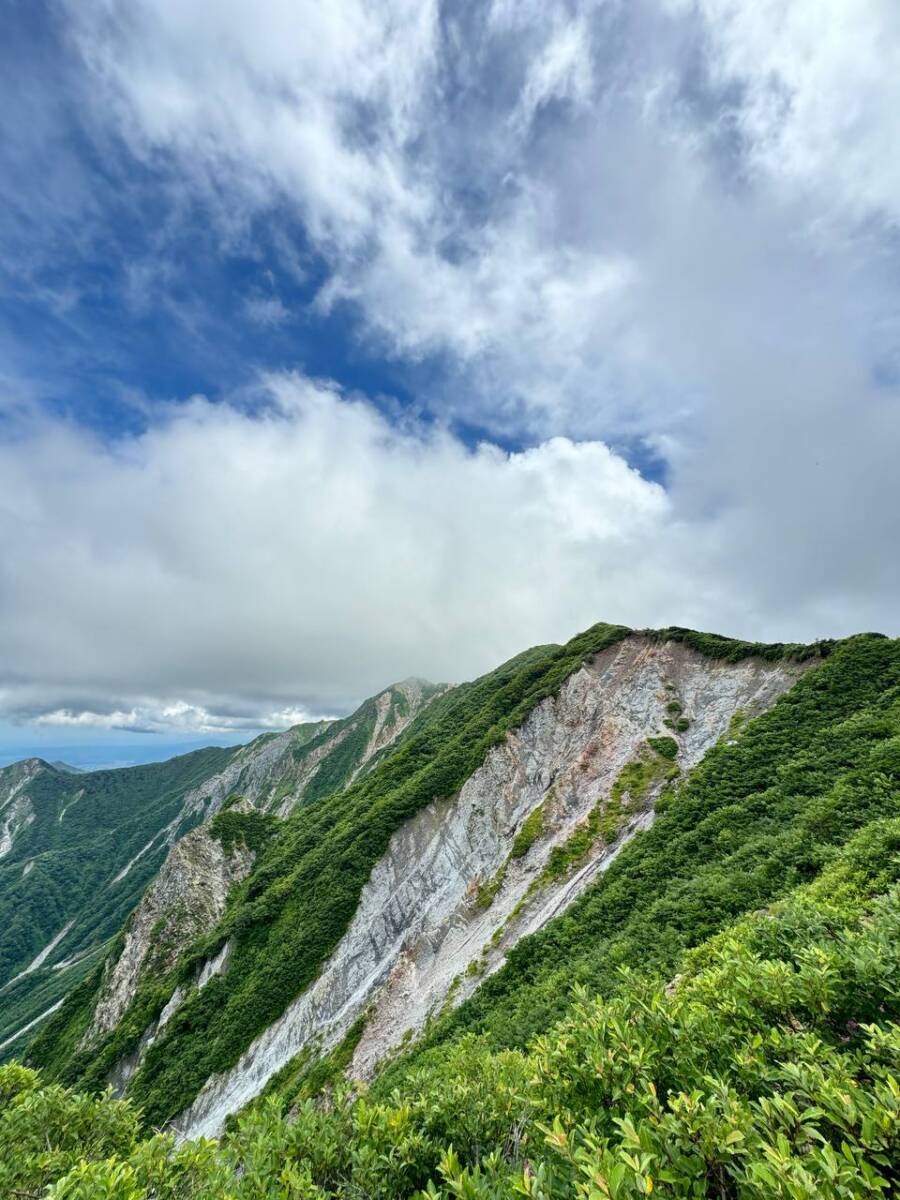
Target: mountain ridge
444 745
134 816
584 817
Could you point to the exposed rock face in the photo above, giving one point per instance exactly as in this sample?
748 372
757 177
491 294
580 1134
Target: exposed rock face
185 900
422 920
16 810
395 709
276 773
189 894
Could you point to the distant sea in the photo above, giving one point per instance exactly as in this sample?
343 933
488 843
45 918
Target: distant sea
101 758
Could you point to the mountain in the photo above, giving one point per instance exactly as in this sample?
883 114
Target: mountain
77 851
702 832
66 768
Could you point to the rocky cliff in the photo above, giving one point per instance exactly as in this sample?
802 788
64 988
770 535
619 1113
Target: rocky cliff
78 850
185 900
467 877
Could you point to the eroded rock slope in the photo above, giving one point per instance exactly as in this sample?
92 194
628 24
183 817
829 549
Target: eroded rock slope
468 876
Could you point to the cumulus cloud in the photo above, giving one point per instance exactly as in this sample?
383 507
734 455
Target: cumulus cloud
296 550
661 224
250 564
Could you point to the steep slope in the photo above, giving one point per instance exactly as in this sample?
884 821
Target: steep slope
765 810
278 772
764 1069
450 896
370 910
78 850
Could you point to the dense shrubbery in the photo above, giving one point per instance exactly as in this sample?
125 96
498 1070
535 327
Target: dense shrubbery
237 828
766 1070
713 645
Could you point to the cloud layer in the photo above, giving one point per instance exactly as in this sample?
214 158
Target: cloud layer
297 550
660 230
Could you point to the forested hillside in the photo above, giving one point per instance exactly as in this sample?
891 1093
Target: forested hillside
78 858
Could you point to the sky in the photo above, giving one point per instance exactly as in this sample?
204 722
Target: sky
342 343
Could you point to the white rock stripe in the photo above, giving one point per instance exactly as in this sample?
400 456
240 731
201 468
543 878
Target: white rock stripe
31 1024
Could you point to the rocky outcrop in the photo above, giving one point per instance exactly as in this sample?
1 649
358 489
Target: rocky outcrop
16 809
186 900
457 887
275 772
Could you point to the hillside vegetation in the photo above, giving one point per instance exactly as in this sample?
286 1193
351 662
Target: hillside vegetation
61 867
765 1069
765 810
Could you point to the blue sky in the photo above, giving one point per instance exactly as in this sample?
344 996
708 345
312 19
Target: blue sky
342 343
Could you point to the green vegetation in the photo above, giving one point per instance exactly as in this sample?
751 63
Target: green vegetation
303 734
713 645
87 827
531 829
309 1075
350 738
249 829
529 832
638 776
665 747
486 891
765 1071
607 818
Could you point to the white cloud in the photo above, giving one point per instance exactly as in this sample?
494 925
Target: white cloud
528 252
820 94
562 71
176 717
664 221
266 310
238 565
304 553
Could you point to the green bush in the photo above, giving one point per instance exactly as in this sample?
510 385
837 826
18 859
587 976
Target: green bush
666 747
